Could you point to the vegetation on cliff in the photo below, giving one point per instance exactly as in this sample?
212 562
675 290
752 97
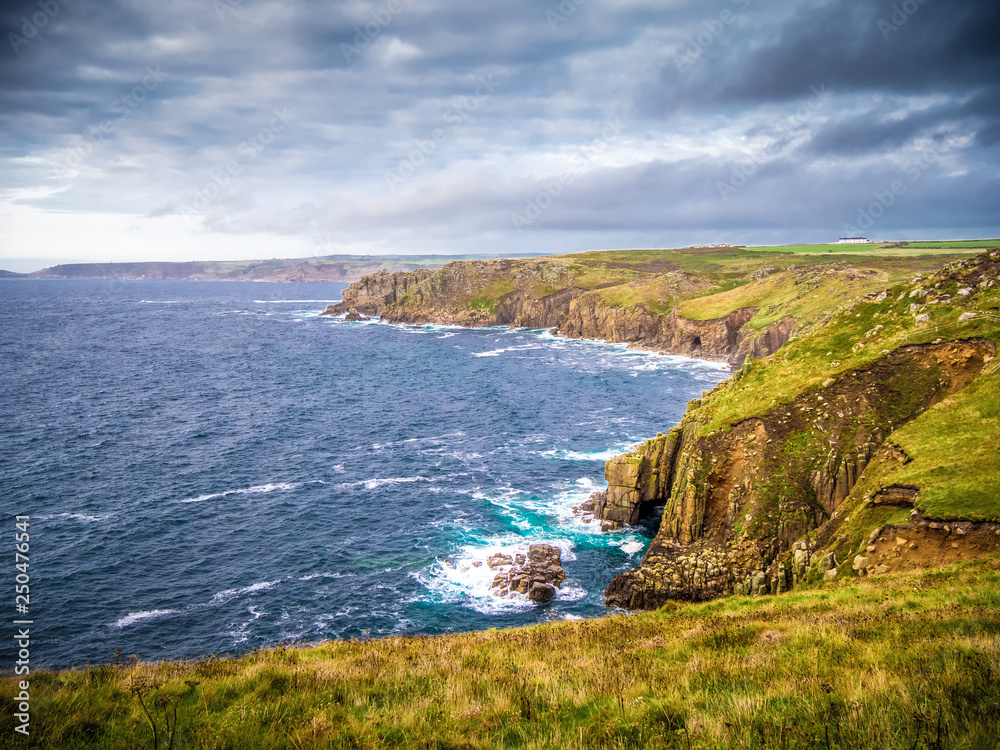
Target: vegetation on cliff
836 358
718 303
881 415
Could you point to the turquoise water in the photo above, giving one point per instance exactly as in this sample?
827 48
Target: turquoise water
210 466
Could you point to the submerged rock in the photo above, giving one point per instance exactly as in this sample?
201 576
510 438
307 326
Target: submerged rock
354 316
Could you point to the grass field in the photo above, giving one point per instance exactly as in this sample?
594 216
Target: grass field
830 248
980 244
899 249
648 278
840 344
953 456
906 661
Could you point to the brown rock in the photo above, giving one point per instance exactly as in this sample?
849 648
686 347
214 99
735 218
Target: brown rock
541 592
498 559
353 315
540 567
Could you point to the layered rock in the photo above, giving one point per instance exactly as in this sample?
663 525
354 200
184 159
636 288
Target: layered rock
896 547
536 575
373 293
635 481
728 338
738 499
516 293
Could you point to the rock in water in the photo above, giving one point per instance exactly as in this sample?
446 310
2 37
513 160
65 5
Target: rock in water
541 592
354 316
537 574
498 559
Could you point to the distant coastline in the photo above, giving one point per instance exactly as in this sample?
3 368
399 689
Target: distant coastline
330 268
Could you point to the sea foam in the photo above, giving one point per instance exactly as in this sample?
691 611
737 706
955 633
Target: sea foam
259 489
133 617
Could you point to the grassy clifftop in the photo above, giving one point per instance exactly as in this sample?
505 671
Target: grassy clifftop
636 277
876 423
717 303
904 661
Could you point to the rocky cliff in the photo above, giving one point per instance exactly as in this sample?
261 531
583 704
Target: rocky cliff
373 293
735 500
832 365
552 294
752 487
728 338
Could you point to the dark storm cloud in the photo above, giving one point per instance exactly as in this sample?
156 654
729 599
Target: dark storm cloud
443 119
850 46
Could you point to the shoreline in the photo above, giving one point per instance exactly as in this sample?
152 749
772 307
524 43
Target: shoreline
549 331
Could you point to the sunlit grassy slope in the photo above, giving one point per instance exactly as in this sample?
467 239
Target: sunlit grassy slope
954 454
853 335
880 248
650 278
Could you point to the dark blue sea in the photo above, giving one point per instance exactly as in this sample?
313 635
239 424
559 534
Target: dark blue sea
210 466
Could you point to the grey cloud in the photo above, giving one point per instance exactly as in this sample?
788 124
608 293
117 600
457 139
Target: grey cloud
360 115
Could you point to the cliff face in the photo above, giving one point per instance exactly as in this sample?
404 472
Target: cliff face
372 293
735 500
544 294
743 479
488 293
728 338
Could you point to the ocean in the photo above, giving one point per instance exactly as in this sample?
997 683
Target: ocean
209 467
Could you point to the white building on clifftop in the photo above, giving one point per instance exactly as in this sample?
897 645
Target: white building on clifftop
853 241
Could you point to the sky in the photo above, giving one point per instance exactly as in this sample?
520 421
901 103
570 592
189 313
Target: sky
230 129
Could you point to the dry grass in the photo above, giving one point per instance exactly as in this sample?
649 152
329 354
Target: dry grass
836 667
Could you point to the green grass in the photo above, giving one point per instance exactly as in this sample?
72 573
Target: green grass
829 248
657 294
954 456
807 296
840 344
906 661
485 301
659 279
878 248
979 244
